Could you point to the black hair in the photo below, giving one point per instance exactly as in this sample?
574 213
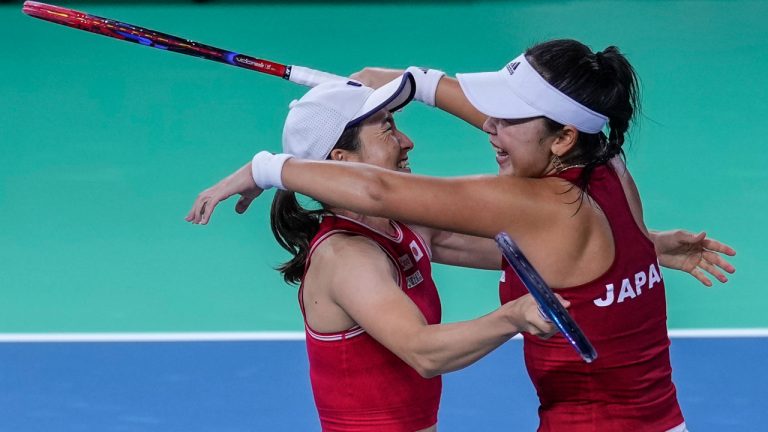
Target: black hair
294 226
604 82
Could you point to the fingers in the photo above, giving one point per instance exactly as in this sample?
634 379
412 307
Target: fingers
375 77
719 261
207 210
243 203
532 320
712 263
701 277
191 214
547 328
203 208
544 329
720 247
194 213
711 269
694 238
563 301
358 76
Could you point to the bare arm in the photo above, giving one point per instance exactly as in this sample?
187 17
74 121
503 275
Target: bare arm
476 205
631 192
448 97
461 250
366 291
679 249
535 212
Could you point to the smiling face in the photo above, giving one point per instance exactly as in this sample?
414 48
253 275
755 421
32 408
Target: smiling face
381 144
523 147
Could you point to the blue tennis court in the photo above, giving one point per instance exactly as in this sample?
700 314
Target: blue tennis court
264 386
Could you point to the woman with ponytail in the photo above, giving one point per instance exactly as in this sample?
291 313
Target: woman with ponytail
293 226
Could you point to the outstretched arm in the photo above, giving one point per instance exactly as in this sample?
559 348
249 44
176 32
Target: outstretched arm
239 182
460 249
474 205
678 249
366 291
448 95
451 99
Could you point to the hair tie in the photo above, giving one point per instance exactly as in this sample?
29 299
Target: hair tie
599 56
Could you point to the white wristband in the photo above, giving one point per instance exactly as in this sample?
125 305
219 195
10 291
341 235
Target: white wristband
267 169
426 83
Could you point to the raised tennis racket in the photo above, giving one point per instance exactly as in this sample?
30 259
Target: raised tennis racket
131 33
549 306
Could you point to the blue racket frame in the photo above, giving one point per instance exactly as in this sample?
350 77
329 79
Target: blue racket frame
549 306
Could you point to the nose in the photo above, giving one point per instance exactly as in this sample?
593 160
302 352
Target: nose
404 141
489 125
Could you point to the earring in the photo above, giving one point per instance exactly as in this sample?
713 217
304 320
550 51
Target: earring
559 166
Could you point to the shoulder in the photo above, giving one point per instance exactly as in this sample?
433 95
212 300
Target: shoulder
345 264
343 249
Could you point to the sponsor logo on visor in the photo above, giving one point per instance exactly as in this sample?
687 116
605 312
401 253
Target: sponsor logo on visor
511 67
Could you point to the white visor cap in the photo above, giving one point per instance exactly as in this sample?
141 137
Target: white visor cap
316 121
517 91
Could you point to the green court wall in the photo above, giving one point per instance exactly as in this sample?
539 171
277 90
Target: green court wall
104 145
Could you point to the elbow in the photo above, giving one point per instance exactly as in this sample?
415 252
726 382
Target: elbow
425 366
429 373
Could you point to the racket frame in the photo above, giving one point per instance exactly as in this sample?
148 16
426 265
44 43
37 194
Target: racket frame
548 303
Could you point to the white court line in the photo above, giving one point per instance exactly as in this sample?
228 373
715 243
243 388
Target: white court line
152 337
289 336
718 333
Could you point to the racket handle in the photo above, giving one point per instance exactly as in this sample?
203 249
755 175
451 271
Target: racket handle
310 77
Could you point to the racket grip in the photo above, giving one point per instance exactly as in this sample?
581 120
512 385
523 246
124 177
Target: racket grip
310 77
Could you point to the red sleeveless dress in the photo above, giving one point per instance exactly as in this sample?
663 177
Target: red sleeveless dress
623 313
358 384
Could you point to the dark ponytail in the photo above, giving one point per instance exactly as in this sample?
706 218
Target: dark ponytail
294 226
604 82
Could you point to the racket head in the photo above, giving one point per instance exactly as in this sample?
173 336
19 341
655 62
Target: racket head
143 36
545 297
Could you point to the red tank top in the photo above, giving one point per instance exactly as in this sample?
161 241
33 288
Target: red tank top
358 384
623 313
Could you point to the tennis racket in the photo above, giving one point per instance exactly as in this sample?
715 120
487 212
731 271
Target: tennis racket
131 33
549 306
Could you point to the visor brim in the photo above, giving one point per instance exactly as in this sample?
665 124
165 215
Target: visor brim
490 94
391 97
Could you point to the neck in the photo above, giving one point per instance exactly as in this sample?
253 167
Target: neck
378 223
556 166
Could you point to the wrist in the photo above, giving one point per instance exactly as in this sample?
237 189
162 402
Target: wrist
513 316
426 83
267 169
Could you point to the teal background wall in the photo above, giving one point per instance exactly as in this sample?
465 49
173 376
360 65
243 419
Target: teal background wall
104 145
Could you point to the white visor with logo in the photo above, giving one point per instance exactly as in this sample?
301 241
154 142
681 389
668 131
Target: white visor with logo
517 91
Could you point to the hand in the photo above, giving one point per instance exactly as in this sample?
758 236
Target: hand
526 316
240 182
374 77
693 253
